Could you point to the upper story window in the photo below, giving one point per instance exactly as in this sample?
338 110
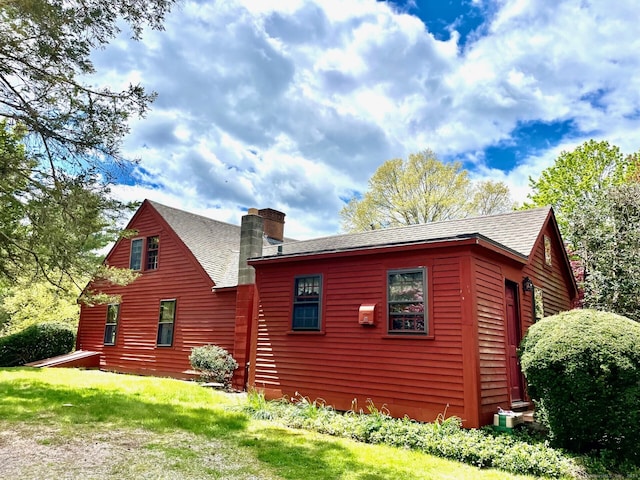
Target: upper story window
135 260
547 251
406 301
152 252
166 322
144 253
306 302
111 325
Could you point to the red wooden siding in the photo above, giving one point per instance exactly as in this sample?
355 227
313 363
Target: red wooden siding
490 286
554 280
346 361
202 316
491 274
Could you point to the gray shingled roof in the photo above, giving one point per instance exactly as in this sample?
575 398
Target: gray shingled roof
214 244
516 231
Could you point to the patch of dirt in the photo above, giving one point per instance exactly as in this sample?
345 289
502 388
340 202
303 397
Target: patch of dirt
44 453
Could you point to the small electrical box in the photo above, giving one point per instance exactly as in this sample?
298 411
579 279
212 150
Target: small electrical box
504 422
367 314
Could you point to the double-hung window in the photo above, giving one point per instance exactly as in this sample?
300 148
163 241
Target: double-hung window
307 297
153 243
111 325
407 301
135 260
166 322
144 253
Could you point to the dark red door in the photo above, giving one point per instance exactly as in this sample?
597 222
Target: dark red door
513 340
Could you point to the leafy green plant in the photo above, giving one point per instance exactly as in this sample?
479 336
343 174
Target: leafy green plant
214 363
583 372
444 438
36 342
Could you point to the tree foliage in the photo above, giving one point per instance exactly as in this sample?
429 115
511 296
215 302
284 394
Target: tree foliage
49 227
491 197
27 302
59 135
45 48
577 176
422 189
595 192
606 237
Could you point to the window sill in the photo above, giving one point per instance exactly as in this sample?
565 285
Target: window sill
306 332
409 336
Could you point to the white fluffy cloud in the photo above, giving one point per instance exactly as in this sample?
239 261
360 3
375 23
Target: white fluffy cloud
293 105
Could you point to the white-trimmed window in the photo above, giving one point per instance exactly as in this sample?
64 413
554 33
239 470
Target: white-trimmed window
307 297
166 322
407 301
111 325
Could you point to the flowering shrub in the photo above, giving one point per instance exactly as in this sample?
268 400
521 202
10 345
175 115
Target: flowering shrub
214 363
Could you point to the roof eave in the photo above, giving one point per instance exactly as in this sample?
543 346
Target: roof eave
459 240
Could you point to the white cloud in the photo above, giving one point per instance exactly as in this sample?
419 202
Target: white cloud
293 105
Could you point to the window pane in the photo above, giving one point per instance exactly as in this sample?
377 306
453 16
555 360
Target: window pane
405 286
307 289
306 303
110 334
409 323
538 304
167 311
152 252
406 302
135 262
406 307
112 313
166 321
111 324
165 334
547 251
305 316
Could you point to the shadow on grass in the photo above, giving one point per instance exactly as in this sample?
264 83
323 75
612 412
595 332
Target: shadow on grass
295 455
34 400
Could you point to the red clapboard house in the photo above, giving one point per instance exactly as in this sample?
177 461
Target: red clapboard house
191 291
418 319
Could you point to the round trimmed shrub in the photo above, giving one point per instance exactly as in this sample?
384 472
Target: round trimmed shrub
583 372
214 363
36 342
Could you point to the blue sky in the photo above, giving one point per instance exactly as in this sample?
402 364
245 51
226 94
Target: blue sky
294 104
443 17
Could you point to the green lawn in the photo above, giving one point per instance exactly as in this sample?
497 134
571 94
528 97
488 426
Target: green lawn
65 423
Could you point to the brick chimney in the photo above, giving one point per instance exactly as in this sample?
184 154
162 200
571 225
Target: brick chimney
273 224
251 241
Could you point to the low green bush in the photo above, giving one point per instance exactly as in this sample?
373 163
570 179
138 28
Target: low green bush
214 363
583 371
36 342
443 438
